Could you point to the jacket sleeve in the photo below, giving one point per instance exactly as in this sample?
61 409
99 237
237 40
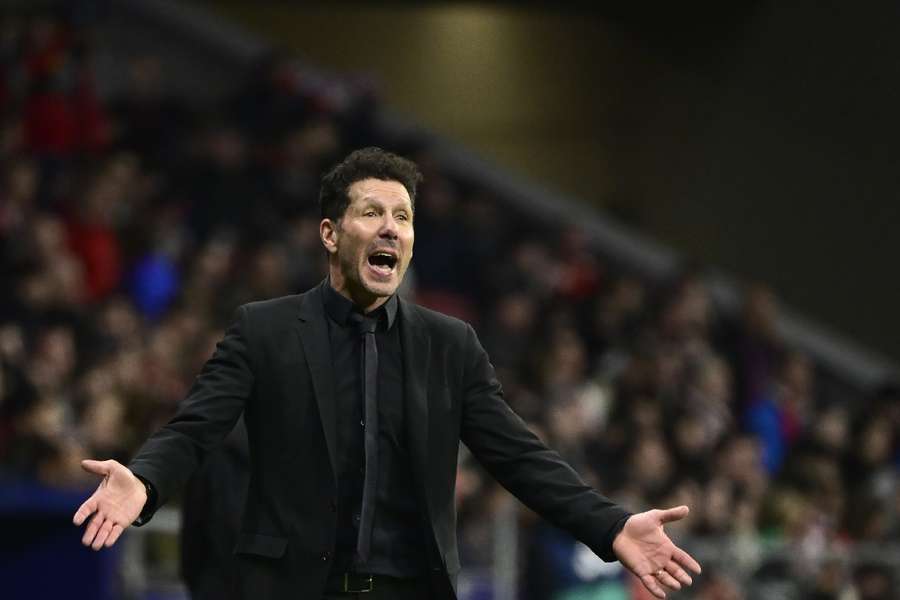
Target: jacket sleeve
536 475
206 415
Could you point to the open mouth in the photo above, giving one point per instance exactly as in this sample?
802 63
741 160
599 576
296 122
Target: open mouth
383 262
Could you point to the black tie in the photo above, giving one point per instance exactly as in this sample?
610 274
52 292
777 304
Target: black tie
366 328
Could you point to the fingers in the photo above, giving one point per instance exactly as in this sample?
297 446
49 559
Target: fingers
93 527
686 560
102 534
100 531
96 467
114 535
667 580
662 580
673 514
653 586
84 511
678 573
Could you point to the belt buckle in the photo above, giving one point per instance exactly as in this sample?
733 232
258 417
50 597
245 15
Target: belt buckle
368 585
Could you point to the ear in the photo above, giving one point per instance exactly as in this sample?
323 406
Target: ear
329 233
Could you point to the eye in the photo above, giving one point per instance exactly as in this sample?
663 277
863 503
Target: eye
403 217
369 213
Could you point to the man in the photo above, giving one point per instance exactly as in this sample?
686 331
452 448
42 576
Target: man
355 402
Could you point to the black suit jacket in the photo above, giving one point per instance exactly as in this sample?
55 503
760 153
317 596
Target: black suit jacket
274 365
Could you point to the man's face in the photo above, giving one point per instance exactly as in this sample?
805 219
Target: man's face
372 244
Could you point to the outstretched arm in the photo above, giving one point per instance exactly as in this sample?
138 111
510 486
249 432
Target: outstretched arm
525 466
543 481
115 505
644 549
167 459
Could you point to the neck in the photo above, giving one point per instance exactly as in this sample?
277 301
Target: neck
358 295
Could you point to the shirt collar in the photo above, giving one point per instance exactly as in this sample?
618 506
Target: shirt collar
339 307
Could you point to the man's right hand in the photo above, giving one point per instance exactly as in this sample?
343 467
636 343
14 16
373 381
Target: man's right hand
115 505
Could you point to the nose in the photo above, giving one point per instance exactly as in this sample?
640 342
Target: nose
388 228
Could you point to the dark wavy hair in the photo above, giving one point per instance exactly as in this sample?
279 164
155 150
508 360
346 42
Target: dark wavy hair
362 164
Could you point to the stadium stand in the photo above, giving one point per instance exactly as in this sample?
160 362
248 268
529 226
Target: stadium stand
134 219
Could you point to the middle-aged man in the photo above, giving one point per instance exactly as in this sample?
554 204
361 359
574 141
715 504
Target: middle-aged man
355 402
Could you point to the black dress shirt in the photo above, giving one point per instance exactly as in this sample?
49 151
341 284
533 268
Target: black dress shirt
398 546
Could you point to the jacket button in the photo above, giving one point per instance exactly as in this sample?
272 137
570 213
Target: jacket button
326 555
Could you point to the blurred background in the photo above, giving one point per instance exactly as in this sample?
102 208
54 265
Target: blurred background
673 229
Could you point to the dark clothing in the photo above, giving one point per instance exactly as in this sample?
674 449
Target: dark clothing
379 588
274 366
398 546
211 519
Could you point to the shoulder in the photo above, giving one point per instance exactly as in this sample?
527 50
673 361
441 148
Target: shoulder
273 305
438 323
276 309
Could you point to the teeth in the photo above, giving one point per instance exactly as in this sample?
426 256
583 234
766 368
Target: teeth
384 262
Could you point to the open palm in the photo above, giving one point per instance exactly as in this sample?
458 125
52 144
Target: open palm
644 548
115 504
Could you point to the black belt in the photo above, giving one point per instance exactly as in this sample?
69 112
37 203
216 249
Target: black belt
359 583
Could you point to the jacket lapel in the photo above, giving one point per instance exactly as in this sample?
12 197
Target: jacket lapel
313 331
416 345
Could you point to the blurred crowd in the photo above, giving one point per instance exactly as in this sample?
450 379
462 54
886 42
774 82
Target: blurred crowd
132 226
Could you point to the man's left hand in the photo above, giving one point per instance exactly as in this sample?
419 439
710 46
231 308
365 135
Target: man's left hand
645 549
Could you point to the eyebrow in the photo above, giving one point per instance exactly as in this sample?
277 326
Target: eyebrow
370 200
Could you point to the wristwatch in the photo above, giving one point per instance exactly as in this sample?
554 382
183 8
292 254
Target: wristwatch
149 505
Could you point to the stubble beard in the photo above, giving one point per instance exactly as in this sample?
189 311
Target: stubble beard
357 285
